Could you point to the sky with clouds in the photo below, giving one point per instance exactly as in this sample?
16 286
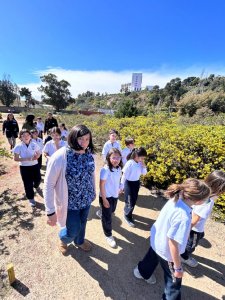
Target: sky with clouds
96 45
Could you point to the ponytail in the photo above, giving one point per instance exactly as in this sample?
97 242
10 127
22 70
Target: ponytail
191 189
137 152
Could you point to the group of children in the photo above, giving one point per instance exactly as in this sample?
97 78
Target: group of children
180 224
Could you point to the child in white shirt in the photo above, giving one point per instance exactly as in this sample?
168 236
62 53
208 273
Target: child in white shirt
111 143
39 141
53 145
64 132
110 176
130 181
27 153
40 127
129 142
200 214
169 235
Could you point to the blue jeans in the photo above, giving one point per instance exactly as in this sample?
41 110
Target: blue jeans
75 226
147 267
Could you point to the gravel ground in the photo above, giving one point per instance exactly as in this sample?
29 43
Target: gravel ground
104 273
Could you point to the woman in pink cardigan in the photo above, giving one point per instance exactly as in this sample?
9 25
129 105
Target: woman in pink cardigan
69 188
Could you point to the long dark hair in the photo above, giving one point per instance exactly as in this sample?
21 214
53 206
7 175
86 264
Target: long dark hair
113 151
137 152
10 114
30 119
76 132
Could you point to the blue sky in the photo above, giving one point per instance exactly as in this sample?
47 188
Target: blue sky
89 42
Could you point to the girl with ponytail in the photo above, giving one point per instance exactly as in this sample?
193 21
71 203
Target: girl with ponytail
169 236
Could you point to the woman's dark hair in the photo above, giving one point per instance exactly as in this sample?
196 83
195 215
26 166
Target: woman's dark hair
137 152
113 151
63 125
30 119
129 141
23 131
10 114
55 130
76 132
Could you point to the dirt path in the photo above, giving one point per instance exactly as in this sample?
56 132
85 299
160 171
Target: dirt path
104 273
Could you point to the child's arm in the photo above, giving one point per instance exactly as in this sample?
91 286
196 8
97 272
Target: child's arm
195 219
18 158
103 193
174 251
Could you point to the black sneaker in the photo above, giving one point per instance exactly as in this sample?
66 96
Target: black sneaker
129 222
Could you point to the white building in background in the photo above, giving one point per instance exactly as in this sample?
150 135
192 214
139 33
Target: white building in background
136 81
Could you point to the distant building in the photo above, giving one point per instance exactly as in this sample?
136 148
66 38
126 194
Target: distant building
136 81
126 87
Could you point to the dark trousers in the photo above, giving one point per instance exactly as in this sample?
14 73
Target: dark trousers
107 214
147 267
40 161
31 177
131 189
192 243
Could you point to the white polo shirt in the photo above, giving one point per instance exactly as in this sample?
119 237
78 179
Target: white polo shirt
50 147
27 151
203 211
64 133
39 142
173 222
112 178
125 152
132 171
108 145
40 126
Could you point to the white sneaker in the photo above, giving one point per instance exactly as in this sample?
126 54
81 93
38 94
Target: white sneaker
151 280
99 213
32 202
111 241
130 223
191 262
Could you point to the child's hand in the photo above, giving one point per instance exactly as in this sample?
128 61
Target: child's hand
120 191
106 203
51 220
178 274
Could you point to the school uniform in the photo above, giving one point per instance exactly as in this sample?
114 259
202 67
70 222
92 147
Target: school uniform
197 233
108 145
40 128
29 169
131 182
64 134
112 186
173 222
39 142
125 152
50 147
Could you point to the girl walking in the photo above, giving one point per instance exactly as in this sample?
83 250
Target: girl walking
11 129
64 131
69 188
110 176
169 235
27 153
54 144
200 214
130 181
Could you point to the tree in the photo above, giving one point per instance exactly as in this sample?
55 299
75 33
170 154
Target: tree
25 92
56 92
127 109
7 91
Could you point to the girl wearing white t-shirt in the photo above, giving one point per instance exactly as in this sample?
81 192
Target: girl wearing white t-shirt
39 142
129 142
200 214
169 235
130 181
64 132
53 145
109 191
27 153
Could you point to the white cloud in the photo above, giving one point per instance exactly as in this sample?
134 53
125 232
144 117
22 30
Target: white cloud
110 81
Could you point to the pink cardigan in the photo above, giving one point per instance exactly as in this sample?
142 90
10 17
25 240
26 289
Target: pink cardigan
55 186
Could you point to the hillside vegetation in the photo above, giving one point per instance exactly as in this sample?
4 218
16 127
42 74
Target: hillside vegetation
188 97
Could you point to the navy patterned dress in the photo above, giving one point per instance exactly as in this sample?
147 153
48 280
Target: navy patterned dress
79 176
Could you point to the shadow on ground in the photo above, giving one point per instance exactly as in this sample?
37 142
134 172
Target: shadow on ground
14 216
